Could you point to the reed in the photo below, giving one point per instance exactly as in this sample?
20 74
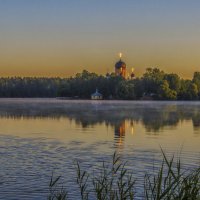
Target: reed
56 191
113 181
172 182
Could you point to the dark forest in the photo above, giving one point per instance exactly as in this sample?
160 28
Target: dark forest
154 84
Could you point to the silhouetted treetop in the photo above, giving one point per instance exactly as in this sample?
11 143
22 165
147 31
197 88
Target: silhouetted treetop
155 84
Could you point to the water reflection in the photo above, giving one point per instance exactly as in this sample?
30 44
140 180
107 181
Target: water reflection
120 129
38 136
119 132
153 115
196 121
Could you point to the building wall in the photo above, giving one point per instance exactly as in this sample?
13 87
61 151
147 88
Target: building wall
96 97
120 72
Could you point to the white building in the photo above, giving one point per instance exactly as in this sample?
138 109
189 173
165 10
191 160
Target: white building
96 95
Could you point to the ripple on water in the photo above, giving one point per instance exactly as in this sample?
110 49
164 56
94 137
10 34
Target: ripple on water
89 134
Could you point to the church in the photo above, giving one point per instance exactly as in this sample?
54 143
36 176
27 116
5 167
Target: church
121 69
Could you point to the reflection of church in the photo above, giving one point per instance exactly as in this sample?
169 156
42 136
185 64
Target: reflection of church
120 129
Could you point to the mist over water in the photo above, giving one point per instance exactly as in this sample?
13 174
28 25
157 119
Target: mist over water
38 136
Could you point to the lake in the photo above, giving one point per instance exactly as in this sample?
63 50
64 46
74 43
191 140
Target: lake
41 136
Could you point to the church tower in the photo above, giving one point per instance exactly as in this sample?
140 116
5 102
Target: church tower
120 67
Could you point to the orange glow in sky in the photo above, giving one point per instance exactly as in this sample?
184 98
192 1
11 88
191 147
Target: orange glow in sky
61 38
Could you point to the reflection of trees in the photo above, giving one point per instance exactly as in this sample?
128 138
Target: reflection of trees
156 120
196 121
154 116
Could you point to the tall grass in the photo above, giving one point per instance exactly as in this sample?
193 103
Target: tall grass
114 182
56 192
171 182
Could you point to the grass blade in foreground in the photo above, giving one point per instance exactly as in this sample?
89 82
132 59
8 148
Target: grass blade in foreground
114 182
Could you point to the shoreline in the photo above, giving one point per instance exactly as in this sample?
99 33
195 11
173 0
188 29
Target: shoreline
60 99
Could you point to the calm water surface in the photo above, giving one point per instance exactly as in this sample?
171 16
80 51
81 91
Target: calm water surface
38 136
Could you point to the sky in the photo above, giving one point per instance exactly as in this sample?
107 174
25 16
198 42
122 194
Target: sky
63 37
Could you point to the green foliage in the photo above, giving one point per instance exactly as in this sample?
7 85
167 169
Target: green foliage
166 93
188 90
196 80
81 180
114 182
152 79
29 87
154 84
56 192
173 81
172 183
125 90
85 75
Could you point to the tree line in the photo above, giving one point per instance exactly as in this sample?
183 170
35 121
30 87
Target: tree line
154 84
